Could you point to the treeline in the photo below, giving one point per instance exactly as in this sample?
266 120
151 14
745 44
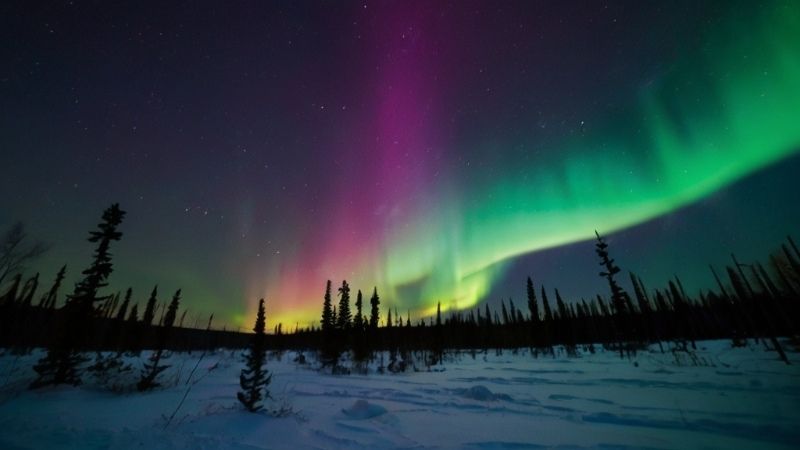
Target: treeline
92 331
25 326
752 303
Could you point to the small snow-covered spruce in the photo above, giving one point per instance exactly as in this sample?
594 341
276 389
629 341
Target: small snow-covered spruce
255 378
152 369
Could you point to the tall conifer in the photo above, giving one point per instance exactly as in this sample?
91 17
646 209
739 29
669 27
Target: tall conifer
60 365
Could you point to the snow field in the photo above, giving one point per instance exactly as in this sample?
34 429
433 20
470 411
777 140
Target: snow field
718 398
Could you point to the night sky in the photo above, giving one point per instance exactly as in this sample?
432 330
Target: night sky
442 151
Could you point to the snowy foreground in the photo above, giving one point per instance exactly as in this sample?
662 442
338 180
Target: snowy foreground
734 398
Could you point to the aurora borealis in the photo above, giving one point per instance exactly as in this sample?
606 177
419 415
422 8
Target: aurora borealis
427 148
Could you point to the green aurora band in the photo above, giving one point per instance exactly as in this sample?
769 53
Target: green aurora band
722 112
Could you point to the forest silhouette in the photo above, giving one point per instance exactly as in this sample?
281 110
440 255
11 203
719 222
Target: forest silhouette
750 302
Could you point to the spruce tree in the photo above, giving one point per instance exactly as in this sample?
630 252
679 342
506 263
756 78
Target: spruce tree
360 344
85 295
437 348
512 310
548 313
330 348
344 320
618 296
547 323
123 309
133 317
738 285
327 311
641 294
109 306
255 378
563 311
617 293
150 309
358 322
60 365
533 306
565 330
153 367
374 315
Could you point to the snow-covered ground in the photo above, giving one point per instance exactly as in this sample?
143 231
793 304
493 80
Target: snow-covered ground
734 398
